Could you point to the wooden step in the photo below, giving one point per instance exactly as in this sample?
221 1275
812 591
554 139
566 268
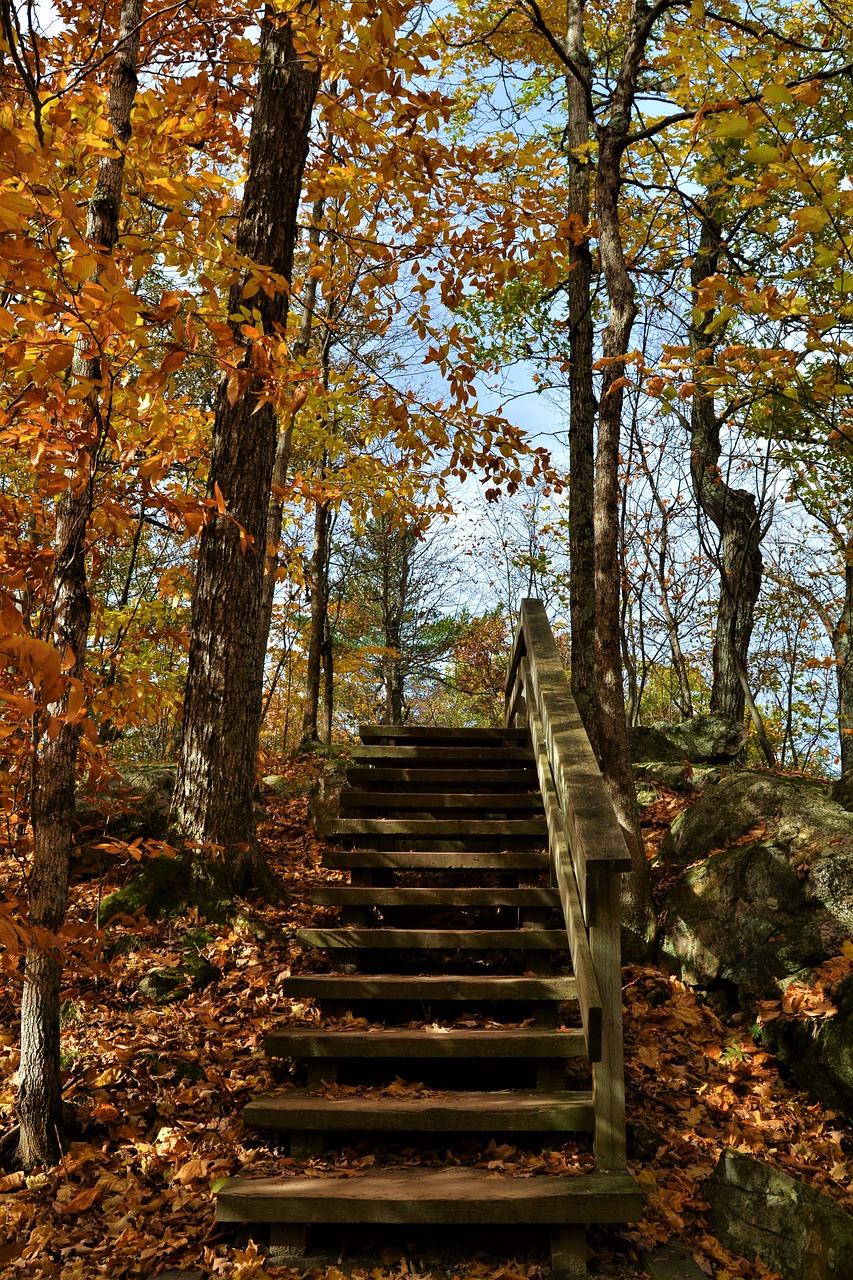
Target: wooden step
433 800
347 895
443 828
426 778
436 939
482 757
404 1042
436 860
431 987
418 733
468 1112
412 1196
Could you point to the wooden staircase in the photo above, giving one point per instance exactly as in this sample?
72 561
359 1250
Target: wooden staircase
484 868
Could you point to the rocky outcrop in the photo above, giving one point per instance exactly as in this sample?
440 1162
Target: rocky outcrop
705 739
324 801
841 791
166 986
818 1052
765 897
761 1213
767 889
133 805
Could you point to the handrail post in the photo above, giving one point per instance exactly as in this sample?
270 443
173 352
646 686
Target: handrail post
608 1074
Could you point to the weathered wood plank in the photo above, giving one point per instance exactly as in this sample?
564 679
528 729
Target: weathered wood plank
441 828
434 800
435 860
608 1073
408 733
346 895
436 939
515 656
582 963
483 757
468 1112
396 1042
432 1196
426 778
429 987
568 1253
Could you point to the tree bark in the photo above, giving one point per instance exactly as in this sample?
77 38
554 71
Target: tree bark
39 1101
637 906
842 644
637 911
319 589
328 683
582 403
212 803
284 443
733 512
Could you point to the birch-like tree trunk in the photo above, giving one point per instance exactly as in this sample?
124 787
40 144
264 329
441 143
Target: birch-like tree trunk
39 1101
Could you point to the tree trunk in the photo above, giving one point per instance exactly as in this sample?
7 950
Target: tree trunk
285 440
582 403
212 802
39 1101
319 588
732 511
842 643
638 914
328 684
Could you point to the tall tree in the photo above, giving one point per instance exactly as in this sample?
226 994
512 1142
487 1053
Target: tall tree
39 1103
212 803
582 400
733 511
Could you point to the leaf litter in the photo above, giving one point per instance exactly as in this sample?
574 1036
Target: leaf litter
155 1096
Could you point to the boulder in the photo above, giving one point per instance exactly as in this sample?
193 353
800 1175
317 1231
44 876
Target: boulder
133 805
818 1052
165 986
683 776
282 788
841 791
324 800
761 1213
706 739
767 885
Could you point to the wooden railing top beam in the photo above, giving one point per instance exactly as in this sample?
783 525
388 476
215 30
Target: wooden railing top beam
598 845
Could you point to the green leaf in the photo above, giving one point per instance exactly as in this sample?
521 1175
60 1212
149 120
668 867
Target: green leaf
733 126
762 153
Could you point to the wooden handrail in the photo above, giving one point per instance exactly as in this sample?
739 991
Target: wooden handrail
588 854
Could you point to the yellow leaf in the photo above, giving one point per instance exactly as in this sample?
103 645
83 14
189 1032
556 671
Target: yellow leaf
778 93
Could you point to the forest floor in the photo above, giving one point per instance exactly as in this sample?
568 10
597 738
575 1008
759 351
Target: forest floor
157 1092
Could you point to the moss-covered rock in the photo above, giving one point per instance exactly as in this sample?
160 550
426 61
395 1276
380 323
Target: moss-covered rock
760 1212
767 890
818 1052
705 739
166 886
324 801
683 776
765 897
166 986
133 805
